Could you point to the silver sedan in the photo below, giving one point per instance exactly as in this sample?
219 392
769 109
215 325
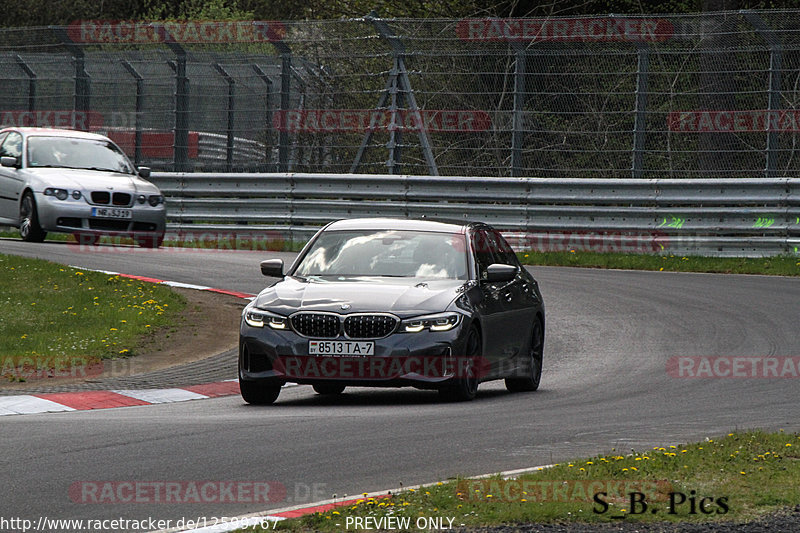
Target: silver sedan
76 182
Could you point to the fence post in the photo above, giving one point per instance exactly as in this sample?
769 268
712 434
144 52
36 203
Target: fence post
402 84
268 117
518 119
774 98
82 79
640 121
231 108
31 82
181 146
286 87
137 142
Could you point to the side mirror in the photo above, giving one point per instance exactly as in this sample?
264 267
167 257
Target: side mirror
498 272
8 161
144 172
272 268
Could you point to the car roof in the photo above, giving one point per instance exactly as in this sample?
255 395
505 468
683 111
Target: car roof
399 224
56 132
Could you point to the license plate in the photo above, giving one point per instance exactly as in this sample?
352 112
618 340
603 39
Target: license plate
334 348
107 212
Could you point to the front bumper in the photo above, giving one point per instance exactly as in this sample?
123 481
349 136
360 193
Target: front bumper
75 216
424 359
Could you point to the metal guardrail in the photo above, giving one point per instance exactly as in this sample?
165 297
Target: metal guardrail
711 217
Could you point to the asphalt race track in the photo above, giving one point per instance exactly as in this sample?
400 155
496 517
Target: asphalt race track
609 337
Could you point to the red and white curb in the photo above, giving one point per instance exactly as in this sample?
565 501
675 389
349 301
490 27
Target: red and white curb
52 402
178 284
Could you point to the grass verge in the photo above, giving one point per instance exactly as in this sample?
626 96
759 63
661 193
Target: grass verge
736 478
56 318
778 265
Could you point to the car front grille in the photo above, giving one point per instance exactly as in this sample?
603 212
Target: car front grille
121 198
319 325
329 325
369 326
101 197
106 198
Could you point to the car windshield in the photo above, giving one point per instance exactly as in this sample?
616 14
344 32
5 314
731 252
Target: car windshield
73 152
386 253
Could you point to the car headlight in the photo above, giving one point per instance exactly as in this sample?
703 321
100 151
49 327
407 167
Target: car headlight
76 195
141 198
439 322
61 194
257 319
155 199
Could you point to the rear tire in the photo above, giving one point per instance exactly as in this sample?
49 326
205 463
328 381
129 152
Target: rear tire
464 386
328 388
534 363
29 228
259 392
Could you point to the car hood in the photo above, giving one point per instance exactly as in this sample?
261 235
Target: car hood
91 179
406 297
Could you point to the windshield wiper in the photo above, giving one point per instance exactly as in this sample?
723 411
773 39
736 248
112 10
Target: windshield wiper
104 170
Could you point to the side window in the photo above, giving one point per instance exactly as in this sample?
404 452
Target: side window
483 245
12 146
503 251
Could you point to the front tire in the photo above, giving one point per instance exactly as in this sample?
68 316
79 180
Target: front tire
29 228
534 363
328 388
258 392
464 386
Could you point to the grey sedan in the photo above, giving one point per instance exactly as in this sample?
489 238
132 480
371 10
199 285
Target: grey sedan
76 182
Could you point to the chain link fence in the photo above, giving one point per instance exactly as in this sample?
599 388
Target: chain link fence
655 96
